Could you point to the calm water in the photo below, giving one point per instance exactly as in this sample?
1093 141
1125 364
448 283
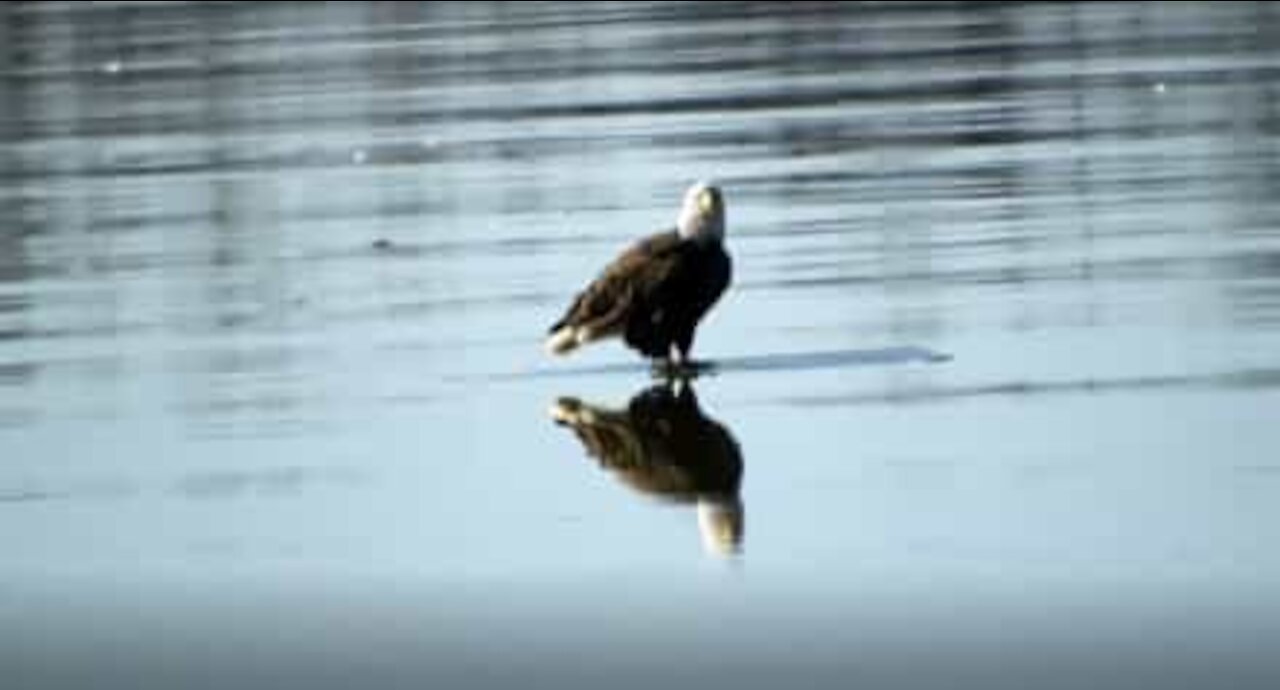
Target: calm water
999 361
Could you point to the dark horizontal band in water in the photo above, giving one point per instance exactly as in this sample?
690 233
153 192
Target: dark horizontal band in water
1243 379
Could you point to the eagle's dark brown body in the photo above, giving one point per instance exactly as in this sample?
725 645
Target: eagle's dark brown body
653 296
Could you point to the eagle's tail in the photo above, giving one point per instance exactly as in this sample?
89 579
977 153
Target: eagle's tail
566 339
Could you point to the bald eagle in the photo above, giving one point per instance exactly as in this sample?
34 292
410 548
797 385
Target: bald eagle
654 294
662 445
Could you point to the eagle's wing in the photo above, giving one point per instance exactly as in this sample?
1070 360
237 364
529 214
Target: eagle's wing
603 308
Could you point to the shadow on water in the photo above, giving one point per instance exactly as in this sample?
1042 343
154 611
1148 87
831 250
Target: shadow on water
788 361
662 445
1260 379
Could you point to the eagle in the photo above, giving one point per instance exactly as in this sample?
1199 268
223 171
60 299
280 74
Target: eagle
654 294
663 445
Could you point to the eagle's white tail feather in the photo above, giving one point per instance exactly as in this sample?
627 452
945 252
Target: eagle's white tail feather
567 339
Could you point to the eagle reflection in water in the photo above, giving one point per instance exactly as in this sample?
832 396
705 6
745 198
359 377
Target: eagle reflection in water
662 445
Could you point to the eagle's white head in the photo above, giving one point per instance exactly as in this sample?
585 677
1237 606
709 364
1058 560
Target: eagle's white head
702 214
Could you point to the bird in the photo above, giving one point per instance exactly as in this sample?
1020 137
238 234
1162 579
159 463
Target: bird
656 291
663 445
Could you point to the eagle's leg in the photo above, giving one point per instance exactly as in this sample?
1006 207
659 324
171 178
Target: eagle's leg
669 367
663 368
678 364
682 365
679 355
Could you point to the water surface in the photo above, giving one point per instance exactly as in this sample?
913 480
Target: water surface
999 356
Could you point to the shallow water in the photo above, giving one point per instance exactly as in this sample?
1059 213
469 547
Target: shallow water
999 357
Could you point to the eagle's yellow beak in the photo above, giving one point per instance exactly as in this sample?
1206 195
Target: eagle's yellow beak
706 201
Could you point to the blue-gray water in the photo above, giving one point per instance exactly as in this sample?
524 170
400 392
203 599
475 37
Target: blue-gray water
1000 357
